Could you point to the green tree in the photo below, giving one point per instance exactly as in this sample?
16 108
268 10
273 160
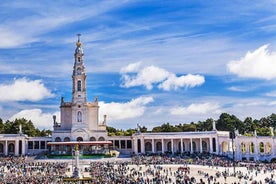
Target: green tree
2 126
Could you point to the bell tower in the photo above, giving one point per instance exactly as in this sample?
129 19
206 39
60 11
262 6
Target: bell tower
79 76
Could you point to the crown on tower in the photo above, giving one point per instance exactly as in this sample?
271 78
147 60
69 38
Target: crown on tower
78 43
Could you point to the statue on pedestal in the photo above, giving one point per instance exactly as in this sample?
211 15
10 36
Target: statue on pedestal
76 172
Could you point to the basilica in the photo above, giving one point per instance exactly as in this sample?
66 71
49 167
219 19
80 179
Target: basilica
79 126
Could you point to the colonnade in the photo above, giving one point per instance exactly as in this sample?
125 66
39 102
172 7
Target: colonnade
165 143
12 147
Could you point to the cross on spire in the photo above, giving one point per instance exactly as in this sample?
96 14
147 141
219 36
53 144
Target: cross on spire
78 36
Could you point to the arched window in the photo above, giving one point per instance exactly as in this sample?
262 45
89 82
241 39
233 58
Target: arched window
101 139
92 139
79 139
79 85
58 139
66 139
243 147
261 148
79 116
251 147
268 148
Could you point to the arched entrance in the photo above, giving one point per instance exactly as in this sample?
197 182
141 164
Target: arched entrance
148 147
169 146
159 147
11 149
1 149
179 147
224 147
139 145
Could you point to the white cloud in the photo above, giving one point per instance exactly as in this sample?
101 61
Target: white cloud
200 108
257 64
151 75
40 120
146 77
133 67
24 89
118 111
237 89
271 94
174 82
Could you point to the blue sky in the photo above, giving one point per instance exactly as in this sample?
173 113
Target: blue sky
149 62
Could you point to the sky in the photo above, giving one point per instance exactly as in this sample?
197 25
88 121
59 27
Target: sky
148 62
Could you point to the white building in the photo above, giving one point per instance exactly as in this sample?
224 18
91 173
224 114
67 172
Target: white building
80 125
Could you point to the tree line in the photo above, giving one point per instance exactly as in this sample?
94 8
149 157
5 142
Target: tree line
12 127
225 122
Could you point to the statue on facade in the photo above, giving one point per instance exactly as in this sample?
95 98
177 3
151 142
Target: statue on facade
138 128
104 121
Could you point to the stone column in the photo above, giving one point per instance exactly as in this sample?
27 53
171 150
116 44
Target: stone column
217 146
152 146
24 147
135 145
191 146
16 147
163 146
6 148
120 144
211 145
200 145
172 146
142 145
181 146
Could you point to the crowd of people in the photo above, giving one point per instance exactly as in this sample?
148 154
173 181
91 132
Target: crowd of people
27 170
138 170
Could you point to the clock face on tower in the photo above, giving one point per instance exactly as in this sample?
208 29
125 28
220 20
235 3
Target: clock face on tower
78 71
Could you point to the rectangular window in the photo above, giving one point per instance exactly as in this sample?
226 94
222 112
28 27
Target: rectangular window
116 143
123 144
30 145
79 85
42 144
36 145
129 144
